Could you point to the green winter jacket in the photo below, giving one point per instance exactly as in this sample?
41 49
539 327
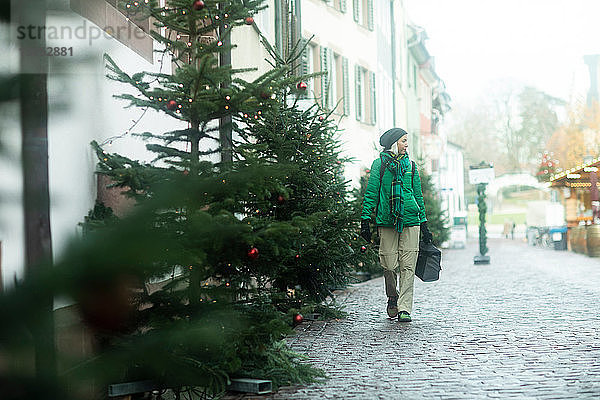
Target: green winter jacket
414 207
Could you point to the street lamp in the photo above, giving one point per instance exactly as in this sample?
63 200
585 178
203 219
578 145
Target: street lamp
481 175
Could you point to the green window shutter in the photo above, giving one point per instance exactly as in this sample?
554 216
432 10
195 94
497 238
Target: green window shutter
346 88
325 77
331 74
304 69
370 16
359 90
355 5
343 7
373 103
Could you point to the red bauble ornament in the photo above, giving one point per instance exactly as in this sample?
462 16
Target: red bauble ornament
302 86
107 307
253 253
297 256
172 105
186 172
280 199
249 20
321 118
363 249
198 5
298 318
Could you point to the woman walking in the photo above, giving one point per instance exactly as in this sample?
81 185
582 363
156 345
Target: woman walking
394 195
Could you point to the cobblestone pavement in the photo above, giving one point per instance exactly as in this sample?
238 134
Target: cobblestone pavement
525 326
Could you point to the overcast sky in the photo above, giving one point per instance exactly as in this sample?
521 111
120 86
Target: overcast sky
478 43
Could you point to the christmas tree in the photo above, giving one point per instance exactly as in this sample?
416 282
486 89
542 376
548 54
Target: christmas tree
437 220
199 302
547 167
370 266
301 139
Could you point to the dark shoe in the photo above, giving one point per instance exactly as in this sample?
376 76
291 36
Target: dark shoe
392 307
404 317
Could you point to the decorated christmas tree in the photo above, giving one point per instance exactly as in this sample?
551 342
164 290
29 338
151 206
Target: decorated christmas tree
370 266
300 138
199 302
547 167
437 220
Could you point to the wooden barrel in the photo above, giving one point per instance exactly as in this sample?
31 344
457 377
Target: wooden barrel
582 241
574 239
593 240
578 239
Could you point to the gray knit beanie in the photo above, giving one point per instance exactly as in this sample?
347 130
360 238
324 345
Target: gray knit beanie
391 136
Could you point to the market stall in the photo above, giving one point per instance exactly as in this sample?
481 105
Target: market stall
577 190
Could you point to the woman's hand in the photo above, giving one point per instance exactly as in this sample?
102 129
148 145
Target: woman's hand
365 230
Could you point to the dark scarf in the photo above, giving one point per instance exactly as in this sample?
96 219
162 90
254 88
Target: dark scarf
398 164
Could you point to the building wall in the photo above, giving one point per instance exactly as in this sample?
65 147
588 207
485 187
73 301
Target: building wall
82 109
359 45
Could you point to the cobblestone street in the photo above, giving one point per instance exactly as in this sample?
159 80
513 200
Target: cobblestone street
525 326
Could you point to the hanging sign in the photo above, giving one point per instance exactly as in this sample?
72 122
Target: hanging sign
482 173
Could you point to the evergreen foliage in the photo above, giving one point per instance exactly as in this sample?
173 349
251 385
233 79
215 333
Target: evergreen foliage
437 220
98 217
199 282
320 257
371 265
200 314
482 206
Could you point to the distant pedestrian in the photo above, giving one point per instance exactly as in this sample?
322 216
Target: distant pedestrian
394 195
506 229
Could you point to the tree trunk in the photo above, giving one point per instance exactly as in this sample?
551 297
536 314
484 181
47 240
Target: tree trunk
225 122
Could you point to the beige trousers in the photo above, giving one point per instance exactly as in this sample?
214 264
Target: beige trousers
398 256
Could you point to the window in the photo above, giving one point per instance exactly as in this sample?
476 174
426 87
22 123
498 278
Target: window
358 75
335 84
340 5
181 56
310 65
365 95
332 89
363 13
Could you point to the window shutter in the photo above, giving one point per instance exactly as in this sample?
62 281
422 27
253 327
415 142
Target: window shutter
343 7
356 11
346 86
304 69
331 75
370 16
359 89
373 103
325 77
